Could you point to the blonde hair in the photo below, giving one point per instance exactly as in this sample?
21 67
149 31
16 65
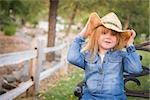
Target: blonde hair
92 44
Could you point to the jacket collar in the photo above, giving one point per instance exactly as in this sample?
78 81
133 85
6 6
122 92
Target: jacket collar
96 57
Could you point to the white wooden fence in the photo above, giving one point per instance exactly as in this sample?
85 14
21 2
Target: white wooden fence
18 57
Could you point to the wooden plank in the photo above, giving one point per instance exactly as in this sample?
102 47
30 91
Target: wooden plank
50 71
52 49
64 70
17 91
31 65
17 57
39 64
26 68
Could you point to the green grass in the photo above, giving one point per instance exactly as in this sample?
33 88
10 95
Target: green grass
63 89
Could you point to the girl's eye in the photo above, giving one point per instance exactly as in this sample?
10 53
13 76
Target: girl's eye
114 33
104 33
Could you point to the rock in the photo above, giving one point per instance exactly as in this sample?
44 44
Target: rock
17 74
9 78
20 77
8 86
24 78
1 82
8 69
2 91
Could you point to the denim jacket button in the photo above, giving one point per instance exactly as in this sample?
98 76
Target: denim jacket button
99 84
101 72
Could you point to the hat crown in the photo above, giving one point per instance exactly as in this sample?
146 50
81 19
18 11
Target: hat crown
111 18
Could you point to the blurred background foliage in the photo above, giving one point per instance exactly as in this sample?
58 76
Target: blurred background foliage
134 14
15 13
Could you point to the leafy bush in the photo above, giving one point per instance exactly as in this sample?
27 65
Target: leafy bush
139 39
10 29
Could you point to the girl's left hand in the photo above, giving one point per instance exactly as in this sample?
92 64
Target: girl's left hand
91 24
131 39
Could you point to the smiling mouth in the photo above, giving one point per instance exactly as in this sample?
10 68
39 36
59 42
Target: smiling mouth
107 41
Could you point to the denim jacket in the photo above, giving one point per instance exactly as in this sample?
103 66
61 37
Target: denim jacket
106 77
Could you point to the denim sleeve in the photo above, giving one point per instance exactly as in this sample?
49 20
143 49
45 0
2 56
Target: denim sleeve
131 61
74 55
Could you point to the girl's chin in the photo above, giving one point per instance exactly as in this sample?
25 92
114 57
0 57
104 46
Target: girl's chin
107 47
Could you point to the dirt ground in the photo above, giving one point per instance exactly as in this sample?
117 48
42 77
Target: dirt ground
14 44
44 85
9 44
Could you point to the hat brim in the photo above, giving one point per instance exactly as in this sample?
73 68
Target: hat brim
110 26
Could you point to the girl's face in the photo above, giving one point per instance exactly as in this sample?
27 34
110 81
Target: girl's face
107 39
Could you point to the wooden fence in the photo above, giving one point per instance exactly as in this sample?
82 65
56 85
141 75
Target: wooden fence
31 55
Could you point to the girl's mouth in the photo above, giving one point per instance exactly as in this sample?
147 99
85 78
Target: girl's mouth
107 42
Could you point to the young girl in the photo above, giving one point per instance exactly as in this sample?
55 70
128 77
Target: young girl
102 58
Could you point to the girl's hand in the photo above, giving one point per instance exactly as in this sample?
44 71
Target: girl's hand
131 39
91 24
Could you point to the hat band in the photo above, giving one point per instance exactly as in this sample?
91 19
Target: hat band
112 24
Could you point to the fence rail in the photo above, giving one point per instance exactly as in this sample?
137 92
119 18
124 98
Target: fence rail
50 71
18 57
17 91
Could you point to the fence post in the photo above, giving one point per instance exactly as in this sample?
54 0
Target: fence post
66 51
64 57
31 65
39 64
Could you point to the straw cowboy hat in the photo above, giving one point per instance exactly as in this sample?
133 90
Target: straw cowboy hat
110 21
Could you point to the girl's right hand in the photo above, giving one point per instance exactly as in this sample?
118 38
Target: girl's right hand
131 39
91 24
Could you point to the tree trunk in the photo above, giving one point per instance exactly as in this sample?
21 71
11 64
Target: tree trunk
71 19
52 27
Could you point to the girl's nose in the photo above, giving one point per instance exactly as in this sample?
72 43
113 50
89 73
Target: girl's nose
108 35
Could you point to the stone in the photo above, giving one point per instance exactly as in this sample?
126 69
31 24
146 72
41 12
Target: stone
17 74
8 86
2 91
9 78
